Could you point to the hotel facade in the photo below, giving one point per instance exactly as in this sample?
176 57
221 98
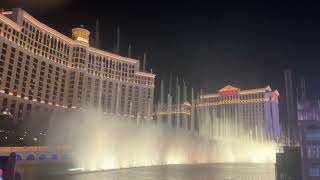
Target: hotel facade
236 113
309 136
174 115
42 70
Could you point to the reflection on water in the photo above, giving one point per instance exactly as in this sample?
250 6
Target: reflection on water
187 172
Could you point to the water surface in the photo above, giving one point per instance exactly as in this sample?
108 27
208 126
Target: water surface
186 172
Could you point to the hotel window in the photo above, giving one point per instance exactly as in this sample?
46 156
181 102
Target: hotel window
29 106
5 102
314 171
4 51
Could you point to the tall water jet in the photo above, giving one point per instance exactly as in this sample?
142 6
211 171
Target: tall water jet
144 62
117 99
149 108
184 118
129 51
100 93
161 99
130 110
169 110
192 123
178 103
106 142
170 85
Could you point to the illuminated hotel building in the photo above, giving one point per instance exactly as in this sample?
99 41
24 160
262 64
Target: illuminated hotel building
234 112
174 115
42 69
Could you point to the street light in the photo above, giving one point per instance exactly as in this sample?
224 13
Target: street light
5 119
6 112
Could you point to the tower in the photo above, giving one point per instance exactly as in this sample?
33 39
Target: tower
81 35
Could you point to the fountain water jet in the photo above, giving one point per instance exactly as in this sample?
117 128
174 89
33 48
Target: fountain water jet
108 142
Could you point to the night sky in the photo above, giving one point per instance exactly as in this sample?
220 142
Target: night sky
209 44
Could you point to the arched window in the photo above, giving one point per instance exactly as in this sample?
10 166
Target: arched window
54 157
65 157
30 157
18 157
42 157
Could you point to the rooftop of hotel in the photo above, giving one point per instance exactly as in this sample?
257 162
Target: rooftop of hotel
231 90
6 16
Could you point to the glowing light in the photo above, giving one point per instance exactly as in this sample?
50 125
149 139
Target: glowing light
107 142
76 169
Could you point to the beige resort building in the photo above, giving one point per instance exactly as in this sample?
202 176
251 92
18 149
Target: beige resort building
42 70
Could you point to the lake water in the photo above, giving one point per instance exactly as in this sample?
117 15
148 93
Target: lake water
185 172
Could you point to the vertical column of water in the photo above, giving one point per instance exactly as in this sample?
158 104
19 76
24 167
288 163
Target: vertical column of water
220 122
130 110
231 119
184 99
158 112
178 107
227 108
192 126
170 104
117 99
258 122
240 120
138 119
177 103
261 134
149 108
216 122
203 121
199 116
209 121
145 114
213 124
161 100
224 118
170 86
100 94
227 119
256 133
220 118
210 112
169 110
236 123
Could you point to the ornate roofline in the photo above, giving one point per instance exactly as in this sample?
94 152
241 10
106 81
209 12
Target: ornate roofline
231 88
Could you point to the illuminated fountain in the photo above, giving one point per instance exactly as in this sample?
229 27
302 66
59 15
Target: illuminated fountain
109 142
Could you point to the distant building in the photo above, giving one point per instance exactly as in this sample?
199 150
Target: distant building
309 134
288 163
234 112
175 115
175 106
42 69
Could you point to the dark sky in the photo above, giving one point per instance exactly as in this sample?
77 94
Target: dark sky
209 44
